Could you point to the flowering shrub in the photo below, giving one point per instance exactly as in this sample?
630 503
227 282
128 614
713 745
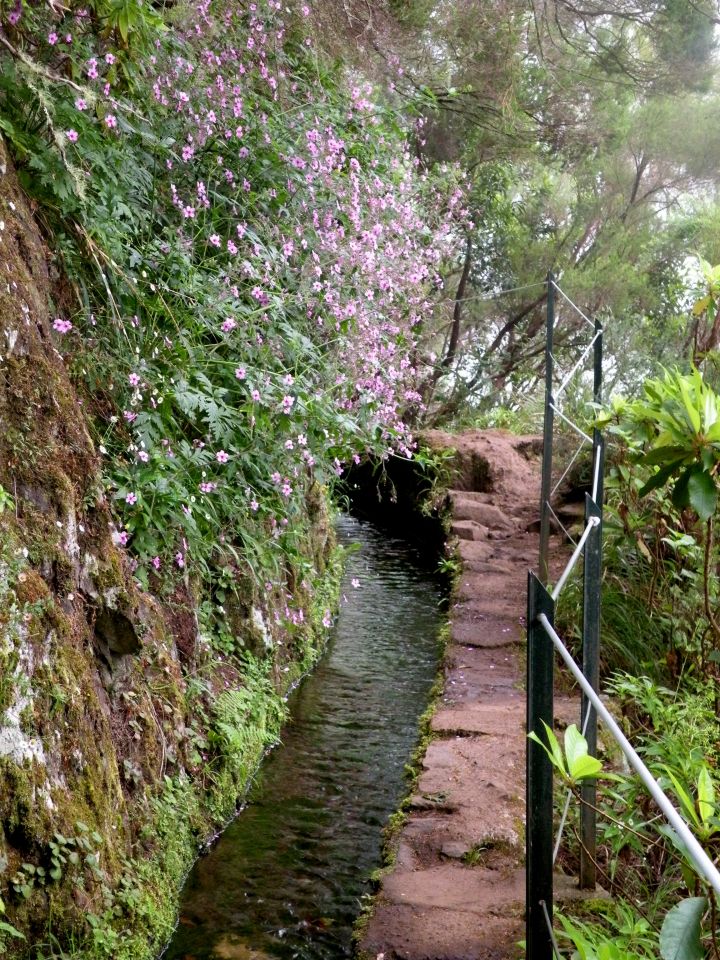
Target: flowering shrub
254 250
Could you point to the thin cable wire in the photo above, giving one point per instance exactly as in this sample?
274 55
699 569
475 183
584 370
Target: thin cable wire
592 522
556 949
560 524
573 305
568 468
577 366
489 297
574 426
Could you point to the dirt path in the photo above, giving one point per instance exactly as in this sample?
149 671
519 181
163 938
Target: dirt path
457 889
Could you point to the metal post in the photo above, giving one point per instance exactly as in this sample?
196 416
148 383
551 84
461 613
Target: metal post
597 363
592 580
539 783
592 575
547 456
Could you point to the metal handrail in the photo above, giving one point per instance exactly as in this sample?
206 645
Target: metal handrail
697 854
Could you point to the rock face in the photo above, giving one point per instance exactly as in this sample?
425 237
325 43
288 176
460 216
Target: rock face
121 745
456 889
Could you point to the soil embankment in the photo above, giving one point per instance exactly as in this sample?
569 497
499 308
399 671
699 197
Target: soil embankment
456 889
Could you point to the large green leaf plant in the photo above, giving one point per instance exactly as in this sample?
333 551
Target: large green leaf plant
675 431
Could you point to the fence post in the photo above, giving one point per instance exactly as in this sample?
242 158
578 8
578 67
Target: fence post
592 582
547 454
539 781
592 575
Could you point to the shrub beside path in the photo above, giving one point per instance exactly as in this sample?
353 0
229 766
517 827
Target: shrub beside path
457 887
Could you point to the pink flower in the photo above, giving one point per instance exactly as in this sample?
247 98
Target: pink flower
180 559
131 498
221 456
327 619
275 477
52 38
189 212
109 58
123 537
133 379
111 121
156 562
254 505
286 489
255 394
232 248
72 135
228 325
207 487
215 240
62 326
240 373
81 104
287 403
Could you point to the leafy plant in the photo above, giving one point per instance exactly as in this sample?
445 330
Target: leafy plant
573 764
680 936
7 930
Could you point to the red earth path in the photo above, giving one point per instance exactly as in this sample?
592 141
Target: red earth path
456 890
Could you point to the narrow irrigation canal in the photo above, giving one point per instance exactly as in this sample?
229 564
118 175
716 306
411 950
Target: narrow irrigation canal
287 876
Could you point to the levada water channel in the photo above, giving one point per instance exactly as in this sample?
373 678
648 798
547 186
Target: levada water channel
287 877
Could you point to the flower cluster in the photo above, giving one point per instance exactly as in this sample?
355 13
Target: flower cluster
276 250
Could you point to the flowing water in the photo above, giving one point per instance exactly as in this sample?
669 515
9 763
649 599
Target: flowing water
287 877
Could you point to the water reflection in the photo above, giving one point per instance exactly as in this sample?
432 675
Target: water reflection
286 878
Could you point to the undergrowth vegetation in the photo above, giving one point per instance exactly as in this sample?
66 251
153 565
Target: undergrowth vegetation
661 660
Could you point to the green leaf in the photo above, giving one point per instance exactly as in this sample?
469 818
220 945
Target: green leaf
684 797
680 494
705 795
660 478
680 933
552 749
123 25
585 767
693 413
702 493
664 455
11 931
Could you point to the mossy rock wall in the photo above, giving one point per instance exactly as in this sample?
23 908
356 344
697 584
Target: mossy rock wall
125 738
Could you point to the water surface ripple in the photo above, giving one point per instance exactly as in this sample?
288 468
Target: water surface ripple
287 876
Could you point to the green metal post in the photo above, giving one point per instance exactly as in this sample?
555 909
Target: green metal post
592 584
592 575
539 783
547 456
